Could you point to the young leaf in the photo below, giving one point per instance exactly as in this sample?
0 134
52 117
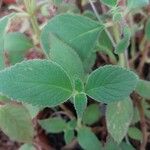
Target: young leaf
111 3
147 31
16 41
135 133
133 4
110 83
124 43
69 136
66 56
15 121
77 31
37 82
118 117
53 125
91 114
80 103
88 140
143 88
27 147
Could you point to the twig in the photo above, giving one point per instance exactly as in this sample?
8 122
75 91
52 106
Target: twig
99 19
140 108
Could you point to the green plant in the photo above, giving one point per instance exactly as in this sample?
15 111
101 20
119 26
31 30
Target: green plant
70 42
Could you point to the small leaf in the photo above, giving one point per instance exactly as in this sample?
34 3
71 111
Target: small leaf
143 88
88 140
37 82
134 4
79 32
91 114
16 41
147 31
119 116
66 56
15 121
53 125
135 133
69 136
111 3
110 83
79 86
80 103
27 147
124 43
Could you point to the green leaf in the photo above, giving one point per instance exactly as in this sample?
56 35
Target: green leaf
15 121
133 4
80 104
53 125
91 114
88 140
79 86
37 82
33 110
16 44
66 56
69 136
143 88
111 3
118 117
79 32
110 83
27 147
123 43
147 31
135 133
15 41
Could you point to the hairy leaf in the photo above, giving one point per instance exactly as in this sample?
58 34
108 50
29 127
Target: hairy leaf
66 56
135 133
37 82
77 31
118 117
88 140
110 83
69 136
53 125
80 103
92 114
133 4
15 121
143 88
111 3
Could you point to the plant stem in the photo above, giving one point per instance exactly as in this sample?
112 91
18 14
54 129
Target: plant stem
31 10
99 19
143 124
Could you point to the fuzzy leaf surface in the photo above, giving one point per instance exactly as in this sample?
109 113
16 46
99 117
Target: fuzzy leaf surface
37 82
110 83
118 117
15 122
